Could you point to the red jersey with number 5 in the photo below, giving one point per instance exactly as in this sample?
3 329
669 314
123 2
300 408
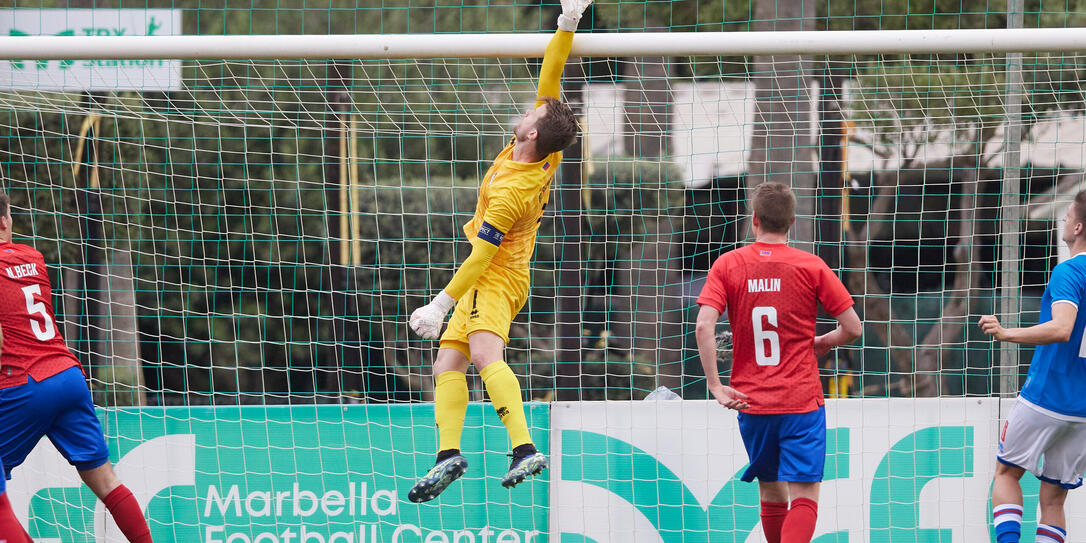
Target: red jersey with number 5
771 293
32 344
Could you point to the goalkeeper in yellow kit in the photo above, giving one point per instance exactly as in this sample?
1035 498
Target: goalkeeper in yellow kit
491 286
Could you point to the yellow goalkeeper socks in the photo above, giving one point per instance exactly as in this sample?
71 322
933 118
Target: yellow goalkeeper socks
450 406
504 390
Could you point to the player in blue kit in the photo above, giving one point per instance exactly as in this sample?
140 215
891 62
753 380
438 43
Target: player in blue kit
1045 431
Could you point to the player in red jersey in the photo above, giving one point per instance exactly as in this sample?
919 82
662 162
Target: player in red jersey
43 391
771 294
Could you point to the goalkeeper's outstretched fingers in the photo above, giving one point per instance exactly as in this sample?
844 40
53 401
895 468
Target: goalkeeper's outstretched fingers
571 14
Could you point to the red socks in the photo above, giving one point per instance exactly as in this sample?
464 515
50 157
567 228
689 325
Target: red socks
126 512
799 525
121 504
10 529
773 515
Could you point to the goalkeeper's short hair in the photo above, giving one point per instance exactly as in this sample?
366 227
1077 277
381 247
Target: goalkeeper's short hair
557 129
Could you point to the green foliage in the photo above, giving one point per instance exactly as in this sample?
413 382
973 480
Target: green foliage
916 101
623 186
1053 81
628 202
944 14
624 200
412 240
913 101
444 16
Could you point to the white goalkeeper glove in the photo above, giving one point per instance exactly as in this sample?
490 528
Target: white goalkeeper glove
426 321
571 14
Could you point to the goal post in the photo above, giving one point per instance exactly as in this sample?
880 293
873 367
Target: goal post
625 44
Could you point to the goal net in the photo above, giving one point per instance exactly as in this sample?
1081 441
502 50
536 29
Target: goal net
235 246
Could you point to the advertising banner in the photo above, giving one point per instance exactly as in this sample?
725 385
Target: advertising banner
90 75
300 474
668 471
645 471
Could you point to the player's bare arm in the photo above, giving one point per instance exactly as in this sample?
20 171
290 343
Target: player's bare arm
1057 330
848 330
705 332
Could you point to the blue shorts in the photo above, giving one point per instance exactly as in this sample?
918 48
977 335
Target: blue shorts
788 447
59 407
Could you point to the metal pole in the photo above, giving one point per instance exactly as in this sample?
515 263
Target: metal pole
568 252
1010 291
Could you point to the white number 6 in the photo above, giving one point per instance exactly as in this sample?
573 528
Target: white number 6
761 336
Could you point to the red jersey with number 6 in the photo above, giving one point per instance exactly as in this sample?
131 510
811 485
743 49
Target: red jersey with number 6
771 293
32 344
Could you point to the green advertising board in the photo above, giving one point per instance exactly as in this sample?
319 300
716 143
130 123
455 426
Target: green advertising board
310 474
896 470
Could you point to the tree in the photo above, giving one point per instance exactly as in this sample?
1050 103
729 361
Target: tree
907 110
781 147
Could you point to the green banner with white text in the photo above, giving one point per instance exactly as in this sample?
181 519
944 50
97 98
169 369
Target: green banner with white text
310 474
629 471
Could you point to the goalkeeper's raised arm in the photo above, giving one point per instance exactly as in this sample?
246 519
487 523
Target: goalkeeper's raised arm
554 59
492 285
543 130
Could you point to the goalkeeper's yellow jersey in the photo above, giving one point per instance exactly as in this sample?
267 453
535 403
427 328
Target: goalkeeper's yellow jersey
514 194
512 198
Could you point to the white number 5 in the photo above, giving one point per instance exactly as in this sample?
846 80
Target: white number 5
32 307
761 336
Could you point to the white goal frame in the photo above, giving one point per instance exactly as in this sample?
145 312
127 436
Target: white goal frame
388 46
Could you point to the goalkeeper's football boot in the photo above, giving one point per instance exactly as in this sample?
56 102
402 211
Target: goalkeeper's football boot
438 479
523 467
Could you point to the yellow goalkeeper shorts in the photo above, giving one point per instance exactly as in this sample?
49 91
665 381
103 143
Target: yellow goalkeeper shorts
489 305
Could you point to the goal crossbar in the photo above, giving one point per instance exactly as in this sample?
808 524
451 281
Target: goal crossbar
391 46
